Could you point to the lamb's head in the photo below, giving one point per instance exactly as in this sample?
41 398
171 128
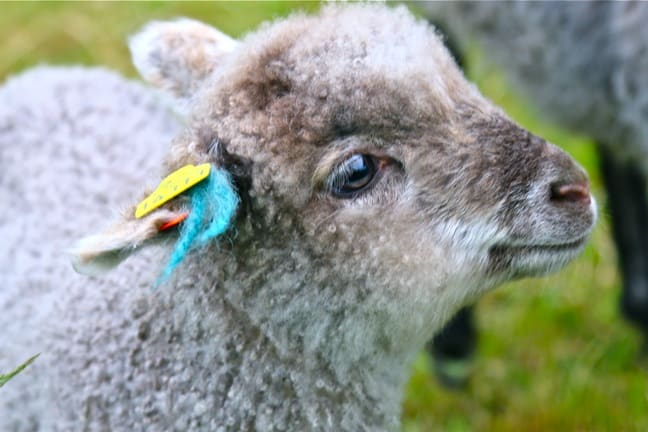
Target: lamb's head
379 190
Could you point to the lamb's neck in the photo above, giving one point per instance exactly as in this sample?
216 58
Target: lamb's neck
267 376
295 345
307 388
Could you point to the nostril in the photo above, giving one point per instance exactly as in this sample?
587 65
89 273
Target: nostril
577 193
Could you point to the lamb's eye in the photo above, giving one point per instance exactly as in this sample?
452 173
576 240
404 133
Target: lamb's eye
353 175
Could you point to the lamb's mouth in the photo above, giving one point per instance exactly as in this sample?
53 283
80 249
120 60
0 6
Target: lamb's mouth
541 248
521 260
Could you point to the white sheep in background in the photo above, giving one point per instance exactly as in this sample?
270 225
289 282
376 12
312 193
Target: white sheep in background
585 66
379 191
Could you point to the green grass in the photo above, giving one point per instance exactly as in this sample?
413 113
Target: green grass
4 379
554 353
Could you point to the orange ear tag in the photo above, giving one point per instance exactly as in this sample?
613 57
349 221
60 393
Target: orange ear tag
174 222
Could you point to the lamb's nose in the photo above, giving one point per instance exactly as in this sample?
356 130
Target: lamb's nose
575 193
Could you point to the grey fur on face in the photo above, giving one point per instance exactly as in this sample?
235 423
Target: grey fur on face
306 314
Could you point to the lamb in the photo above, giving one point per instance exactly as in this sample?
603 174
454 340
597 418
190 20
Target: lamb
378 192
584 66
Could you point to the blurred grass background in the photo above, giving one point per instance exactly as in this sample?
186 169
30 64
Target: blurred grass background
554 353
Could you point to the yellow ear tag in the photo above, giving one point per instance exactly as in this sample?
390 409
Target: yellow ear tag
172 186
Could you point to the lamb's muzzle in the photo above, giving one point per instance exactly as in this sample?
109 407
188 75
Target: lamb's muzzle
551 222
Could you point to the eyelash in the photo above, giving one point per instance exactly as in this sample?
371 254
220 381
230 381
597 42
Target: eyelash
340 182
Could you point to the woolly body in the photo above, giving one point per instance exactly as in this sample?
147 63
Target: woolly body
65 173
308 317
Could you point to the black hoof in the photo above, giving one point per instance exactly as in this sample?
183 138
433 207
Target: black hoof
634 306
453 373
452 350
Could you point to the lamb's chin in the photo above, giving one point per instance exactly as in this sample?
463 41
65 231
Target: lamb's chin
534 260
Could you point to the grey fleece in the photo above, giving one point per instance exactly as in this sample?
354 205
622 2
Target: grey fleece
73 141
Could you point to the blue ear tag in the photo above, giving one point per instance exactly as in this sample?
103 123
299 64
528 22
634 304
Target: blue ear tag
213 205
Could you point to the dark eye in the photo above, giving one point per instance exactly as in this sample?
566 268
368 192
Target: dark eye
353 175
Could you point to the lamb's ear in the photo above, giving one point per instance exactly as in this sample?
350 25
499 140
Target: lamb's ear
212 204
99 253
178 55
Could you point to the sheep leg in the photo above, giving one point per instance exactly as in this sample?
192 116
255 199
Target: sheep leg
628 206
452 349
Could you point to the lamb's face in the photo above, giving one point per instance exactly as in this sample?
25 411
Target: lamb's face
367 151
364 135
